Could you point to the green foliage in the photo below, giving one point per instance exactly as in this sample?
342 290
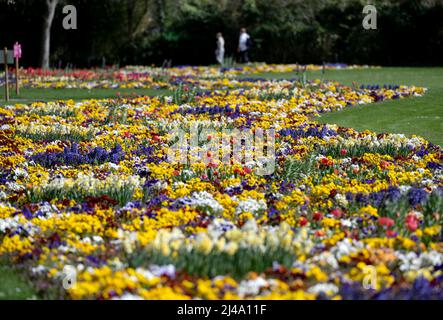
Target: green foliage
359 150
73 135
122 194
13 284
294 170
198 263
148 31
183 94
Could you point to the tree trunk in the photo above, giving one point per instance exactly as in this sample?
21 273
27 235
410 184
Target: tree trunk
46 34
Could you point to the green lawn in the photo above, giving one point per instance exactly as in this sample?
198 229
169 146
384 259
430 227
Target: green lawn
31 95
421 116
12 285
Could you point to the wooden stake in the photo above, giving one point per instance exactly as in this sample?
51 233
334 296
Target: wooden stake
6 75
17 85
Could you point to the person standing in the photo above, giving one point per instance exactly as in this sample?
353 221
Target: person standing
243 46
220 51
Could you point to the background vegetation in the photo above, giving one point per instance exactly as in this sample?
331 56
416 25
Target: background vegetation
410 32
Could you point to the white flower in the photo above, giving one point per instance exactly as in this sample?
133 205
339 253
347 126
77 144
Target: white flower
346 247
325 257
341 199
20 173
413 261
346 223
97 239
205 201
251 205
219 227
166 270
251 287
13 186
8 223
38 269
145 273
128 296
327 288
404 189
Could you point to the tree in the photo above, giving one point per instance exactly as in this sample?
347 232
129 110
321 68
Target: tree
46 33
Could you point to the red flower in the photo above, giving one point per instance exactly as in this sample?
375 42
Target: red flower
303 221
247 170
319 233
343 152
317 216
336 213
384 164
412 222
391 233
324 161
386 222
213 165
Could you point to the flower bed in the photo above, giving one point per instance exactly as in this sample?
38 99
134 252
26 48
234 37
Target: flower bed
152 77
91 207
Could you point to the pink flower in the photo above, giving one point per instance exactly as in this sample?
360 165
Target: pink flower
386 222
336 213
411 222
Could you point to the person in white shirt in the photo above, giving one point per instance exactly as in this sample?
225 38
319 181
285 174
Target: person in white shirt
220 51
243 46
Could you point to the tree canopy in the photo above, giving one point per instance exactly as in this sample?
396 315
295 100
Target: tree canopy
123 32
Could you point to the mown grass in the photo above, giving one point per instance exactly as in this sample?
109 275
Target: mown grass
29 95
12 285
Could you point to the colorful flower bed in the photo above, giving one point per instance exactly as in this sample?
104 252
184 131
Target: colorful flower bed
152 77
91 208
